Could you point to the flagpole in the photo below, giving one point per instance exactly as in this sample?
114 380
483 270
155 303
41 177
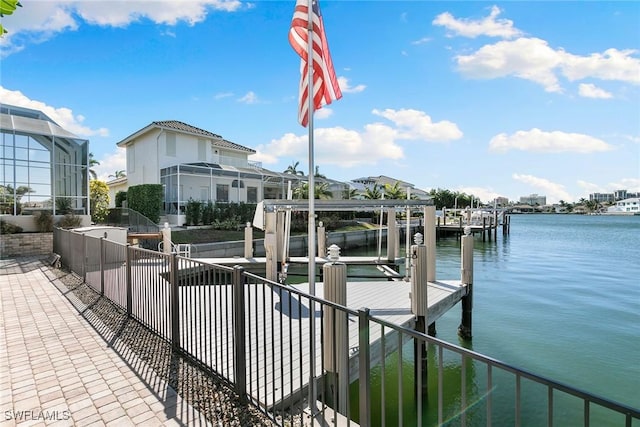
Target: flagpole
311 220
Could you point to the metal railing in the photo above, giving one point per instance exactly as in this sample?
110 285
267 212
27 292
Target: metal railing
271 343
134 221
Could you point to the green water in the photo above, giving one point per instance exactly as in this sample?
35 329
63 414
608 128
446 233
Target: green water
560 297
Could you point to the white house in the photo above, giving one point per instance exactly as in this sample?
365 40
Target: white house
382 180
192 163
625 207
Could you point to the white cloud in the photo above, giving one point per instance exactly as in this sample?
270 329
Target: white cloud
486 195
111 163
526 58
376 142
613 64
533 59
589 90
62 116
421 41
487 26
41 20
536 140
589 187
553 191
346 88
323 113
338 146
249 98
414 124
631 184
223 95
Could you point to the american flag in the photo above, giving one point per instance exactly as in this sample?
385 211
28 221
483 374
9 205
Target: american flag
325 82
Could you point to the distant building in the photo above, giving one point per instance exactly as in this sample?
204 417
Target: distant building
602 197
501 201
612 197
629 206
534 200
382 180
620 194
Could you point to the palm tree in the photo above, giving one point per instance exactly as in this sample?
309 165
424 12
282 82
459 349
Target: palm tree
293 169
321 191
93 162
394 191
317 173
118 174
372 193
349 193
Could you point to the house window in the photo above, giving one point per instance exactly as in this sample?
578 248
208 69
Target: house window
131 159
171 144
235 182
202 150
252 194
204 194
222 192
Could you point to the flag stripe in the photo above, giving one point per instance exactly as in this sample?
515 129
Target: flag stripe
325 87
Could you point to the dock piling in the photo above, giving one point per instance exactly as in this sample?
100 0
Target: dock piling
335 327
322 239
466 279
248 241
419 304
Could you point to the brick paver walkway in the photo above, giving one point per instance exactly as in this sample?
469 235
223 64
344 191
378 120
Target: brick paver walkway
55 369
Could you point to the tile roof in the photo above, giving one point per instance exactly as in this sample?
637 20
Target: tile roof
183 127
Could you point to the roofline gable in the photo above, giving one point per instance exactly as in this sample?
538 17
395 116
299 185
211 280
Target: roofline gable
184 128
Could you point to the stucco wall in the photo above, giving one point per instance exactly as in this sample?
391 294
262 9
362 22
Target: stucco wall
25 244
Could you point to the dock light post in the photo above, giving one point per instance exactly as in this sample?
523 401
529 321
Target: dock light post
335 338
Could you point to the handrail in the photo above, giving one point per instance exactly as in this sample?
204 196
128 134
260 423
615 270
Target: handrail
614 406
132 220
177 283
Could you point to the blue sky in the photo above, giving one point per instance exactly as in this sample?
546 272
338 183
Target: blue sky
489 98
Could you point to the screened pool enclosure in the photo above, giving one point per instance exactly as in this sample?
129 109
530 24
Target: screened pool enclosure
42 166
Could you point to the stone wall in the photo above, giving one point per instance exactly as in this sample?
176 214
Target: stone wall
25 244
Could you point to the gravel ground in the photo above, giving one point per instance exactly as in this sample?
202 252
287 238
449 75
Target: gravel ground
208 393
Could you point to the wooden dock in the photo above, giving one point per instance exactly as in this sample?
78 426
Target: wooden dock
278 328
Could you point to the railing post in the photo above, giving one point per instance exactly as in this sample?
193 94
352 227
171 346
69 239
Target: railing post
102 262
175 301
128 284
84 258
239 359
364 374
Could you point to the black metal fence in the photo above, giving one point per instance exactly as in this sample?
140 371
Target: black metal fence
272 343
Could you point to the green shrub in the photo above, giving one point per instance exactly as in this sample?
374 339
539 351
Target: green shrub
44 221
99 199
8 228
121 196
146 199
70 221
193 212
64 205
207 213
